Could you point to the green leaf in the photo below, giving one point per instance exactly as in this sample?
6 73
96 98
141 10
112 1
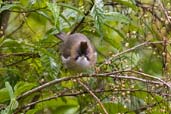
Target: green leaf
13 103
115 16
4 95
50 33
69 106
112 36
55 9
13 45
127 3
49 62
135 103
44 14
150 63
97 14
99 4
71 7
66 20
119 32
22 87
8 7
114 108
10 90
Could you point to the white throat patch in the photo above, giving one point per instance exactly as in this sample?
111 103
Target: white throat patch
83 62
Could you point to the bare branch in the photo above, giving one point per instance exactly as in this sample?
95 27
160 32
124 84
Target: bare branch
129 50
153 77
82 20
95 97
93 75
165 12
21 54
78 93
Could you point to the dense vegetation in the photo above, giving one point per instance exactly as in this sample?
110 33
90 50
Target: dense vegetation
132 74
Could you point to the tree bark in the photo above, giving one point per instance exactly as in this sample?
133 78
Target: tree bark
4 17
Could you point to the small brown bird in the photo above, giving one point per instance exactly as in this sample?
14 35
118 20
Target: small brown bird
77 52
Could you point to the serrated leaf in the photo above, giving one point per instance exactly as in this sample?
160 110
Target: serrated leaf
48 61
98 16
66 20
55 9
99 4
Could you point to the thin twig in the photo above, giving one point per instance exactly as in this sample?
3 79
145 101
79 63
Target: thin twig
95 97
150 76
149 9
21 54
82 20
165 11
28 11
20 26
129 50
16 62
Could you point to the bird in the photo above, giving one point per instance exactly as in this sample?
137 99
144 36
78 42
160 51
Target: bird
77 52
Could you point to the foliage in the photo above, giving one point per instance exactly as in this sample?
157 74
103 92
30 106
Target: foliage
132 74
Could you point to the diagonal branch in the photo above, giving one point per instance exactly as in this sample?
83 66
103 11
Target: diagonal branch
82 20
95 97
131 49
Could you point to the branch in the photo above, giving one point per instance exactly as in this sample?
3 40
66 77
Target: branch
165 12
25 56
131 49
21 25
95 97
148 8
82 20
16 62
150 76
78 93
21 54
88 76
29 11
